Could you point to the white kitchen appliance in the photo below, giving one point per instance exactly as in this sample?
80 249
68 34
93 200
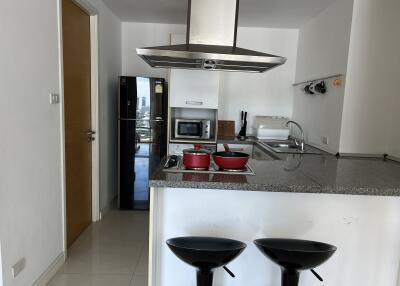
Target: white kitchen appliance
272 127
210 42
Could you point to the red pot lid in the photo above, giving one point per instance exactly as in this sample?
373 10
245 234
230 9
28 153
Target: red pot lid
197 150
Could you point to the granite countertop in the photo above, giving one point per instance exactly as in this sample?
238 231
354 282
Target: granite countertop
234 140
299 174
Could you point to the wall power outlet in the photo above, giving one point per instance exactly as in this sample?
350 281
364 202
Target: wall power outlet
325 140
18 267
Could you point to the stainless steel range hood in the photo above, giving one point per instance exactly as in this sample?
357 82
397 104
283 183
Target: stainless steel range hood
210 43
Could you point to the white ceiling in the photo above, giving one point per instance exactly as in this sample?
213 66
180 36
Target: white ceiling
252 13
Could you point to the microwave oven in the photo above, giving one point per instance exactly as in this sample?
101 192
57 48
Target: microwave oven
192 129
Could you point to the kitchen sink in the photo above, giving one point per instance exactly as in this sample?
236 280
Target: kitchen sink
282 145
288 146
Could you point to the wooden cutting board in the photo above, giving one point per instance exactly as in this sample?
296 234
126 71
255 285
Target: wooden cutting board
226 129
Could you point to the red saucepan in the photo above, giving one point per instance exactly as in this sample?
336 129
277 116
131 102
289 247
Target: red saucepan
230 160
196 158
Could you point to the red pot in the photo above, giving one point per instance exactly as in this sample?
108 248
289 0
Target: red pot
196 158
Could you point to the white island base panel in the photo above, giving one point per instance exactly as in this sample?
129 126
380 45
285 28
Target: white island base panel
366 230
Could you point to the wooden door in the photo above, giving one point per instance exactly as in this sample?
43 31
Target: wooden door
77 108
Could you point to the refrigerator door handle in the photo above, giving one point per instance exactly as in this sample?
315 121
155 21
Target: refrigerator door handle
137 142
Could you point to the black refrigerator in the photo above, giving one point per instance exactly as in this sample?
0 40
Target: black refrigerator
142 137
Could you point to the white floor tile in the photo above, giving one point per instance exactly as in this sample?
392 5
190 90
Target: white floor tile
110 258
120 226
90 280
116 245
139 280
143 263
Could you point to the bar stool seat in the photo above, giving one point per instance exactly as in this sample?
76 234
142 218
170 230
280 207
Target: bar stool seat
205 254
295 255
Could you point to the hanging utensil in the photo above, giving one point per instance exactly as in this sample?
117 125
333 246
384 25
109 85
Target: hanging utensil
245 123
320 87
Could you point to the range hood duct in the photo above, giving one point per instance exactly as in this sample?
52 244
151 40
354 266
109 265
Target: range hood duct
210 43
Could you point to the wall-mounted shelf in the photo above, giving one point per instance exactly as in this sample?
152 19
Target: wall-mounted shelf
318 79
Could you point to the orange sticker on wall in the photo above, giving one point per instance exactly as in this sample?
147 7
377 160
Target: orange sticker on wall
337 82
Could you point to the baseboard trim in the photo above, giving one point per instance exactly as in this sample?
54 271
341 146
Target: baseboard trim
104 211
53 268
360 155
107 208
393 158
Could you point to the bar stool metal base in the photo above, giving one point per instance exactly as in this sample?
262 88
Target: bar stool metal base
290 277
204 277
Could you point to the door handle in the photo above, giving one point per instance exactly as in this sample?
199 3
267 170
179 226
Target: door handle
90 134
191 102
158 119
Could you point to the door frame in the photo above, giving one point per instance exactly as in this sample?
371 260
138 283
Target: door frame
94 54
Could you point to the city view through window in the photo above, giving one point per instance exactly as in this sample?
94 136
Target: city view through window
143 125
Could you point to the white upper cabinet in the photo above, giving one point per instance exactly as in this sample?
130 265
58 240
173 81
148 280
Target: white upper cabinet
193 88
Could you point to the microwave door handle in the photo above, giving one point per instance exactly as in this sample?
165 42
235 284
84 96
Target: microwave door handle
201 129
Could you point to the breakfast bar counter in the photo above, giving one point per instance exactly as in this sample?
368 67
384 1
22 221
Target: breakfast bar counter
299 174
352 203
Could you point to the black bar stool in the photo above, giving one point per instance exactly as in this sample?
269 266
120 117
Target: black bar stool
206 254
295 255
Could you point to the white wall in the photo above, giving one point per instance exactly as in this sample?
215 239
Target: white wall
1 269
393 131
268 93
363 228
30 149
136 35
323 51
31 223
109 70
371 105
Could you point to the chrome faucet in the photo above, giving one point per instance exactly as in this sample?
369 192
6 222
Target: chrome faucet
299 142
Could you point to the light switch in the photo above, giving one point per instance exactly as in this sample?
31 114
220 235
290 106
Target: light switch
54 98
